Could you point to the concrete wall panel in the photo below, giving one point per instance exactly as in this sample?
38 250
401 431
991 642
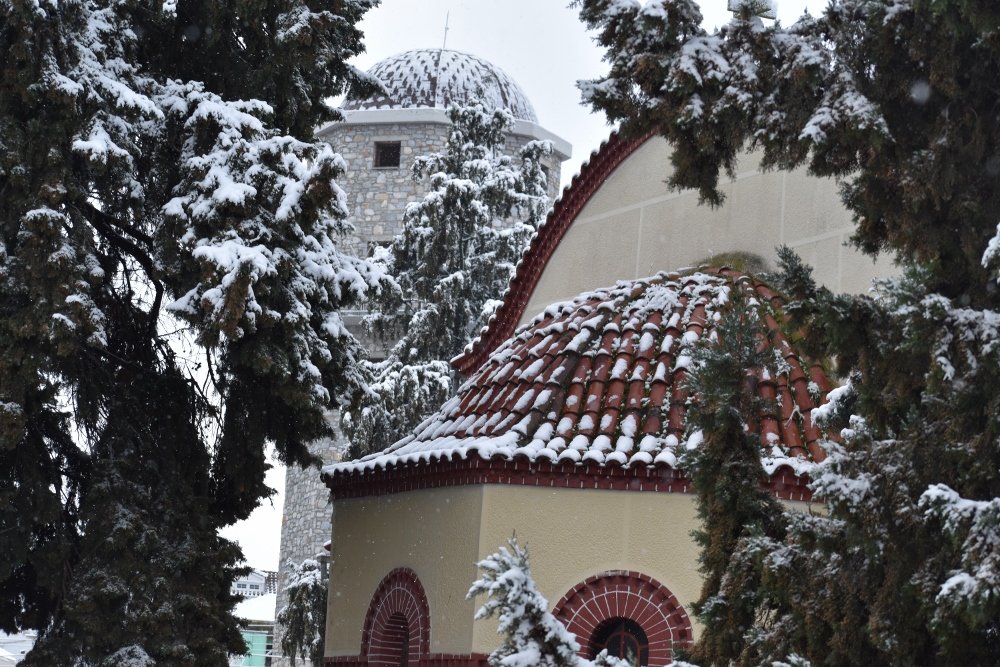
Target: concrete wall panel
633 226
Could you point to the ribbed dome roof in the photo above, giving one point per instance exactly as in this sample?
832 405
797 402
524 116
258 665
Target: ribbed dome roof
439 78
599 380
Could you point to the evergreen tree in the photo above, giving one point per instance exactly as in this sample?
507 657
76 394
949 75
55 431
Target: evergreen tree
304 617
453 260
895 98
152 580
533 637
723 460
142 191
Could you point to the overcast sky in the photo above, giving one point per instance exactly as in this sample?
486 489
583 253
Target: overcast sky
545 48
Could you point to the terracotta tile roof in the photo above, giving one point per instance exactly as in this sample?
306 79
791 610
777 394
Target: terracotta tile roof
600 380
575 196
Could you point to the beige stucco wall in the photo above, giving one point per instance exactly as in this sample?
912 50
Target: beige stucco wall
572 534
434 532
633 227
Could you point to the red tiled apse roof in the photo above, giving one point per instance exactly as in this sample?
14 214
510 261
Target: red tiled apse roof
598 383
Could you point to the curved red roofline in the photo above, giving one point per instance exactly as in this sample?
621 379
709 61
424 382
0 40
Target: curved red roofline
575 196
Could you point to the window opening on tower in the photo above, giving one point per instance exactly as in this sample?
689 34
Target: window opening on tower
387 154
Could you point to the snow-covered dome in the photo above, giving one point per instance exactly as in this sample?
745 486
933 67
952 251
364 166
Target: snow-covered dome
439 78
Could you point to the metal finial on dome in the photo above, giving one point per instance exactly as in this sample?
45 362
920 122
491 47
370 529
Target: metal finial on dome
439 78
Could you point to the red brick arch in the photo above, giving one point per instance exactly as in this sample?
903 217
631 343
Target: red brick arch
632 596
398 615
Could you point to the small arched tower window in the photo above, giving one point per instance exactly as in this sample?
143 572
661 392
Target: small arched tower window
397 626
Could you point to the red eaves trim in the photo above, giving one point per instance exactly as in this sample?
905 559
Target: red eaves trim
783 484
575 196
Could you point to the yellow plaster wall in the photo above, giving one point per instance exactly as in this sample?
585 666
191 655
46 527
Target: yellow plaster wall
633 227
420 530
572 534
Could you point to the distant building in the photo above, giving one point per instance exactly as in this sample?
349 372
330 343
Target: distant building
258 612
257 582
381 136
14 647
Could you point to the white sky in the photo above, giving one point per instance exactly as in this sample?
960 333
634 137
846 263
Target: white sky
545 48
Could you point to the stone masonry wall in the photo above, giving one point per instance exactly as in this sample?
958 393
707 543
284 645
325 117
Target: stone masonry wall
306 524
378 197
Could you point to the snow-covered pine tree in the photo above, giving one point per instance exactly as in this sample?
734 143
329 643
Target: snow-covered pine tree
902 570
304 617
152 581
453 260
142 191
722 457
533 637
605 660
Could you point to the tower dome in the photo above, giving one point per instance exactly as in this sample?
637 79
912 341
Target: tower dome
439 78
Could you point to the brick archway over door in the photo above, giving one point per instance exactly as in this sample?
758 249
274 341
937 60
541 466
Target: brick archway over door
399 596
628 595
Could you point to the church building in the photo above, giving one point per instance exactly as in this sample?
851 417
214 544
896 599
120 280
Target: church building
570 424
380 136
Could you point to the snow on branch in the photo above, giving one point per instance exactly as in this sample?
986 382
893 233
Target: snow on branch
976 525
533 637
259 215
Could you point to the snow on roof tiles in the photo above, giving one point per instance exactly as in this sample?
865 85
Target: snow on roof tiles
440 78
600 379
